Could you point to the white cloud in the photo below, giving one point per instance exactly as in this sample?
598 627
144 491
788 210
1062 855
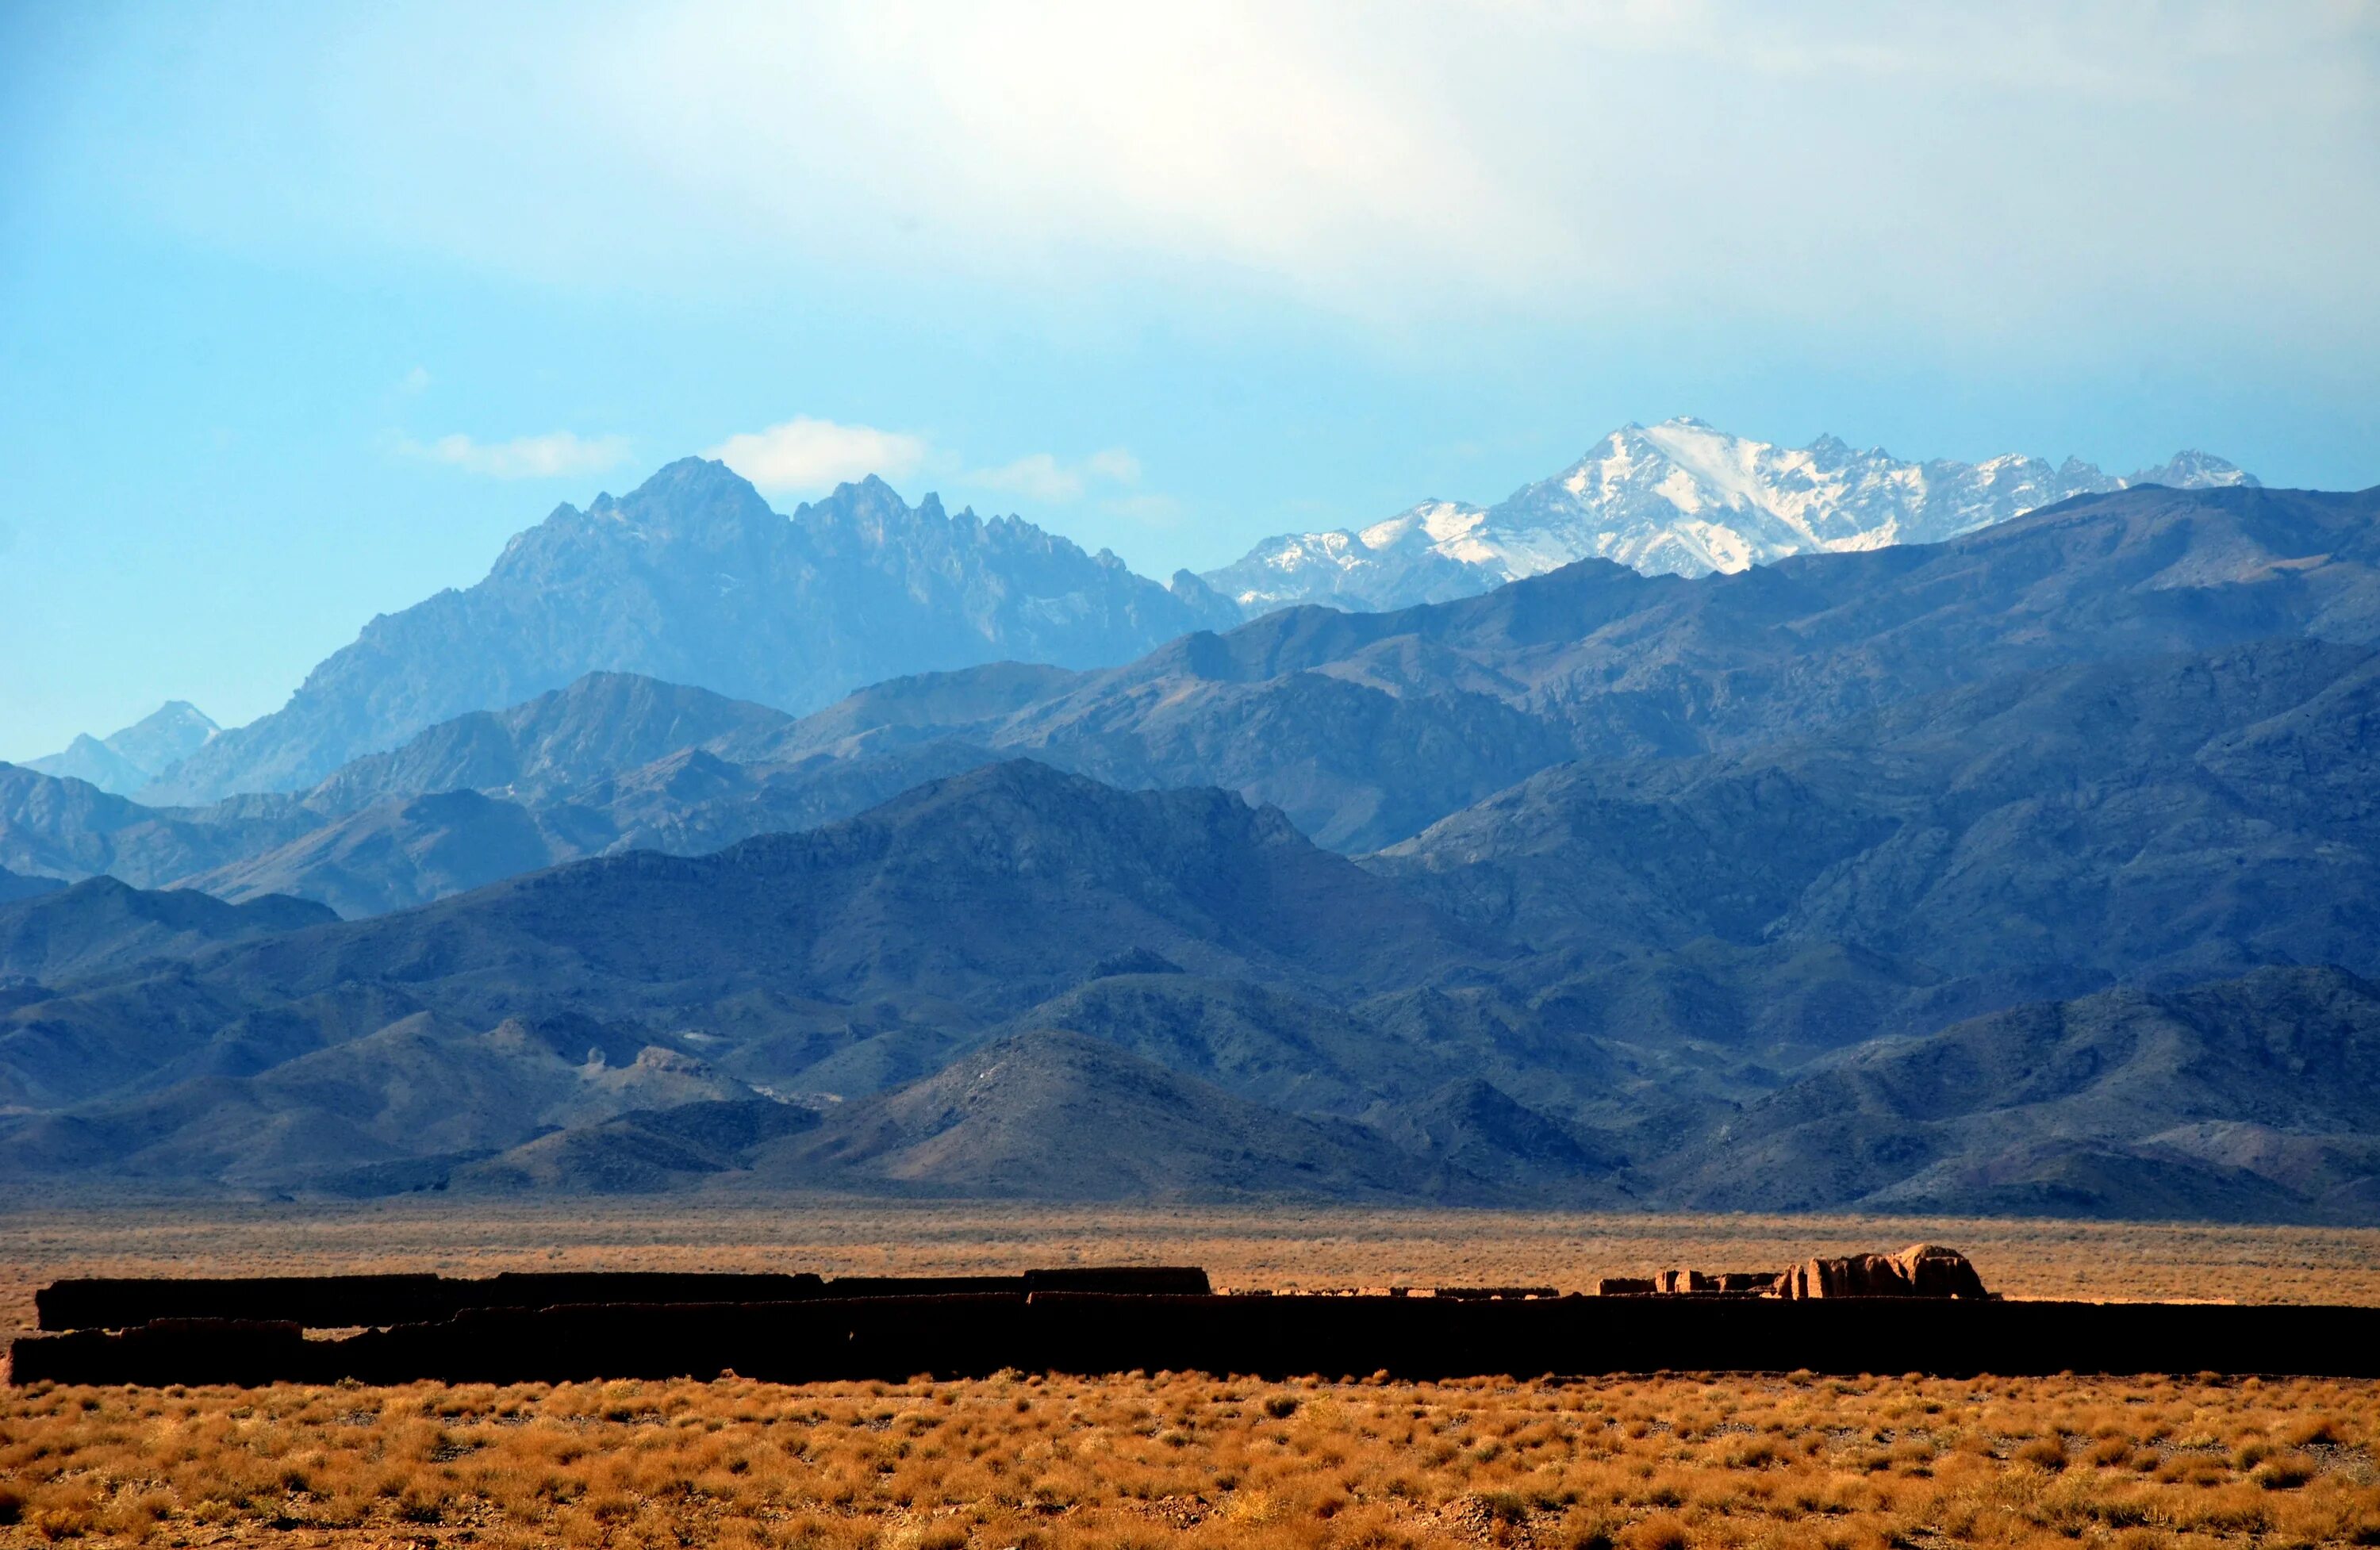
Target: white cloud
1116 464
1976 170
803 454
1042 477
415 381
1278 142
524 458
1039 477
1959 165
1150 511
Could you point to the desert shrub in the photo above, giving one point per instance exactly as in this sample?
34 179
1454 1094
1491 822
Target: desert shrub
2111 1451
2317 1431
1659 1534
2048 1453
2286 1472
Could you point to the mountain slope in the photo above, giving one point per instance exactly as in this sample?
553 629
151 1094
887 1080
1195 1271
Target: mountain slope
692 579
2166 813
1254 1041
16 884
68 828
640 1152
418 1090
612 762
2246 1097
597 726
1677 498
930 918
88 760
981 885
102 925
404 852
1057 1116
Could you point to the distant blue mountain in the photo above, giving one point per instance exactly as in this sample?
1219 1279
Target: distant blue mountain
123 762
693 579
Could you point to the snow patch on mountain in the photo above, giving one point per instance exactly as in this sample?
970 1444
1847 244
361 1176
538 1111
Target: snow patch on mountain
1680 497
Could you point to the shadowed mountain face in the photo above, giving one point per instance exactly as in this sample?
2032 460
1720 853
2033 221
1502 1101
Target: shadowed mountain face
2251 1097
1060 1116
692 579
2166 816
639 1151
552 745
978 890
406 852
66 828
102 925
14 886
89 759
879 944
409 851
418 1090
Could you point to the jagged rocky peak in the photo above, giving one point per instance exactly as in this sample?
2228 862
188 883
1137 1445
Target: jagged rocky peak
1682 496
693 502
874 507
692 578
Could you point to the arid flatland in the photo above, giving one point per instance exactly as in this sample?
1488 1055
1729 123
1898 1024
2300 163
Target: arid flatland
2143 1463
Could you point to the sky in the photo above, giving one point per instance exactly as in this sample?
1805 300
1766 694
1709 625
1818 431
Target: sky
304 309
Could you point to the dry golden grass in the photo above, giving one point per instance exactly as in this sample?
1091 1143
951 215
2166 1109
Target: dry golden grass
1053 1464
1655 1463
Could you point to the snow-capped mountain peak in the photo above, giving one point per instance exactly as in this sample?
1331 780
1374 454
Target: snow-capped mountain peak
1682 496
1449 525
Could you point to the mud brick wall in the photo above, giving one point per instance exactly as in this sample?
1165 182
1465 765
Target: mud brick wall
973 1333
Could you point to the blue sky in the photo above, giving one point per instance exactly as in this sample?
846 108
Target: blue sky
304 309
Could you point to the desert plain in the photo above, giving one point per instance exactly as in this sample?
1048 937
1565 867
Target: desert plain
1030 1461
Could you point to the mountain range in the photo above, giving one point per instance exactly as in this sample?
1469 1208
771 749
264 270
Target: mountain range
984 986
692 578
612 762
1678 498
2030 870
1365 728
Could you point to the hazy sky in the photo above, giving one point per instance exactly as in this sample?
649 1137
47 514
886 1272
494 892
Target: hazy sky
304 309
